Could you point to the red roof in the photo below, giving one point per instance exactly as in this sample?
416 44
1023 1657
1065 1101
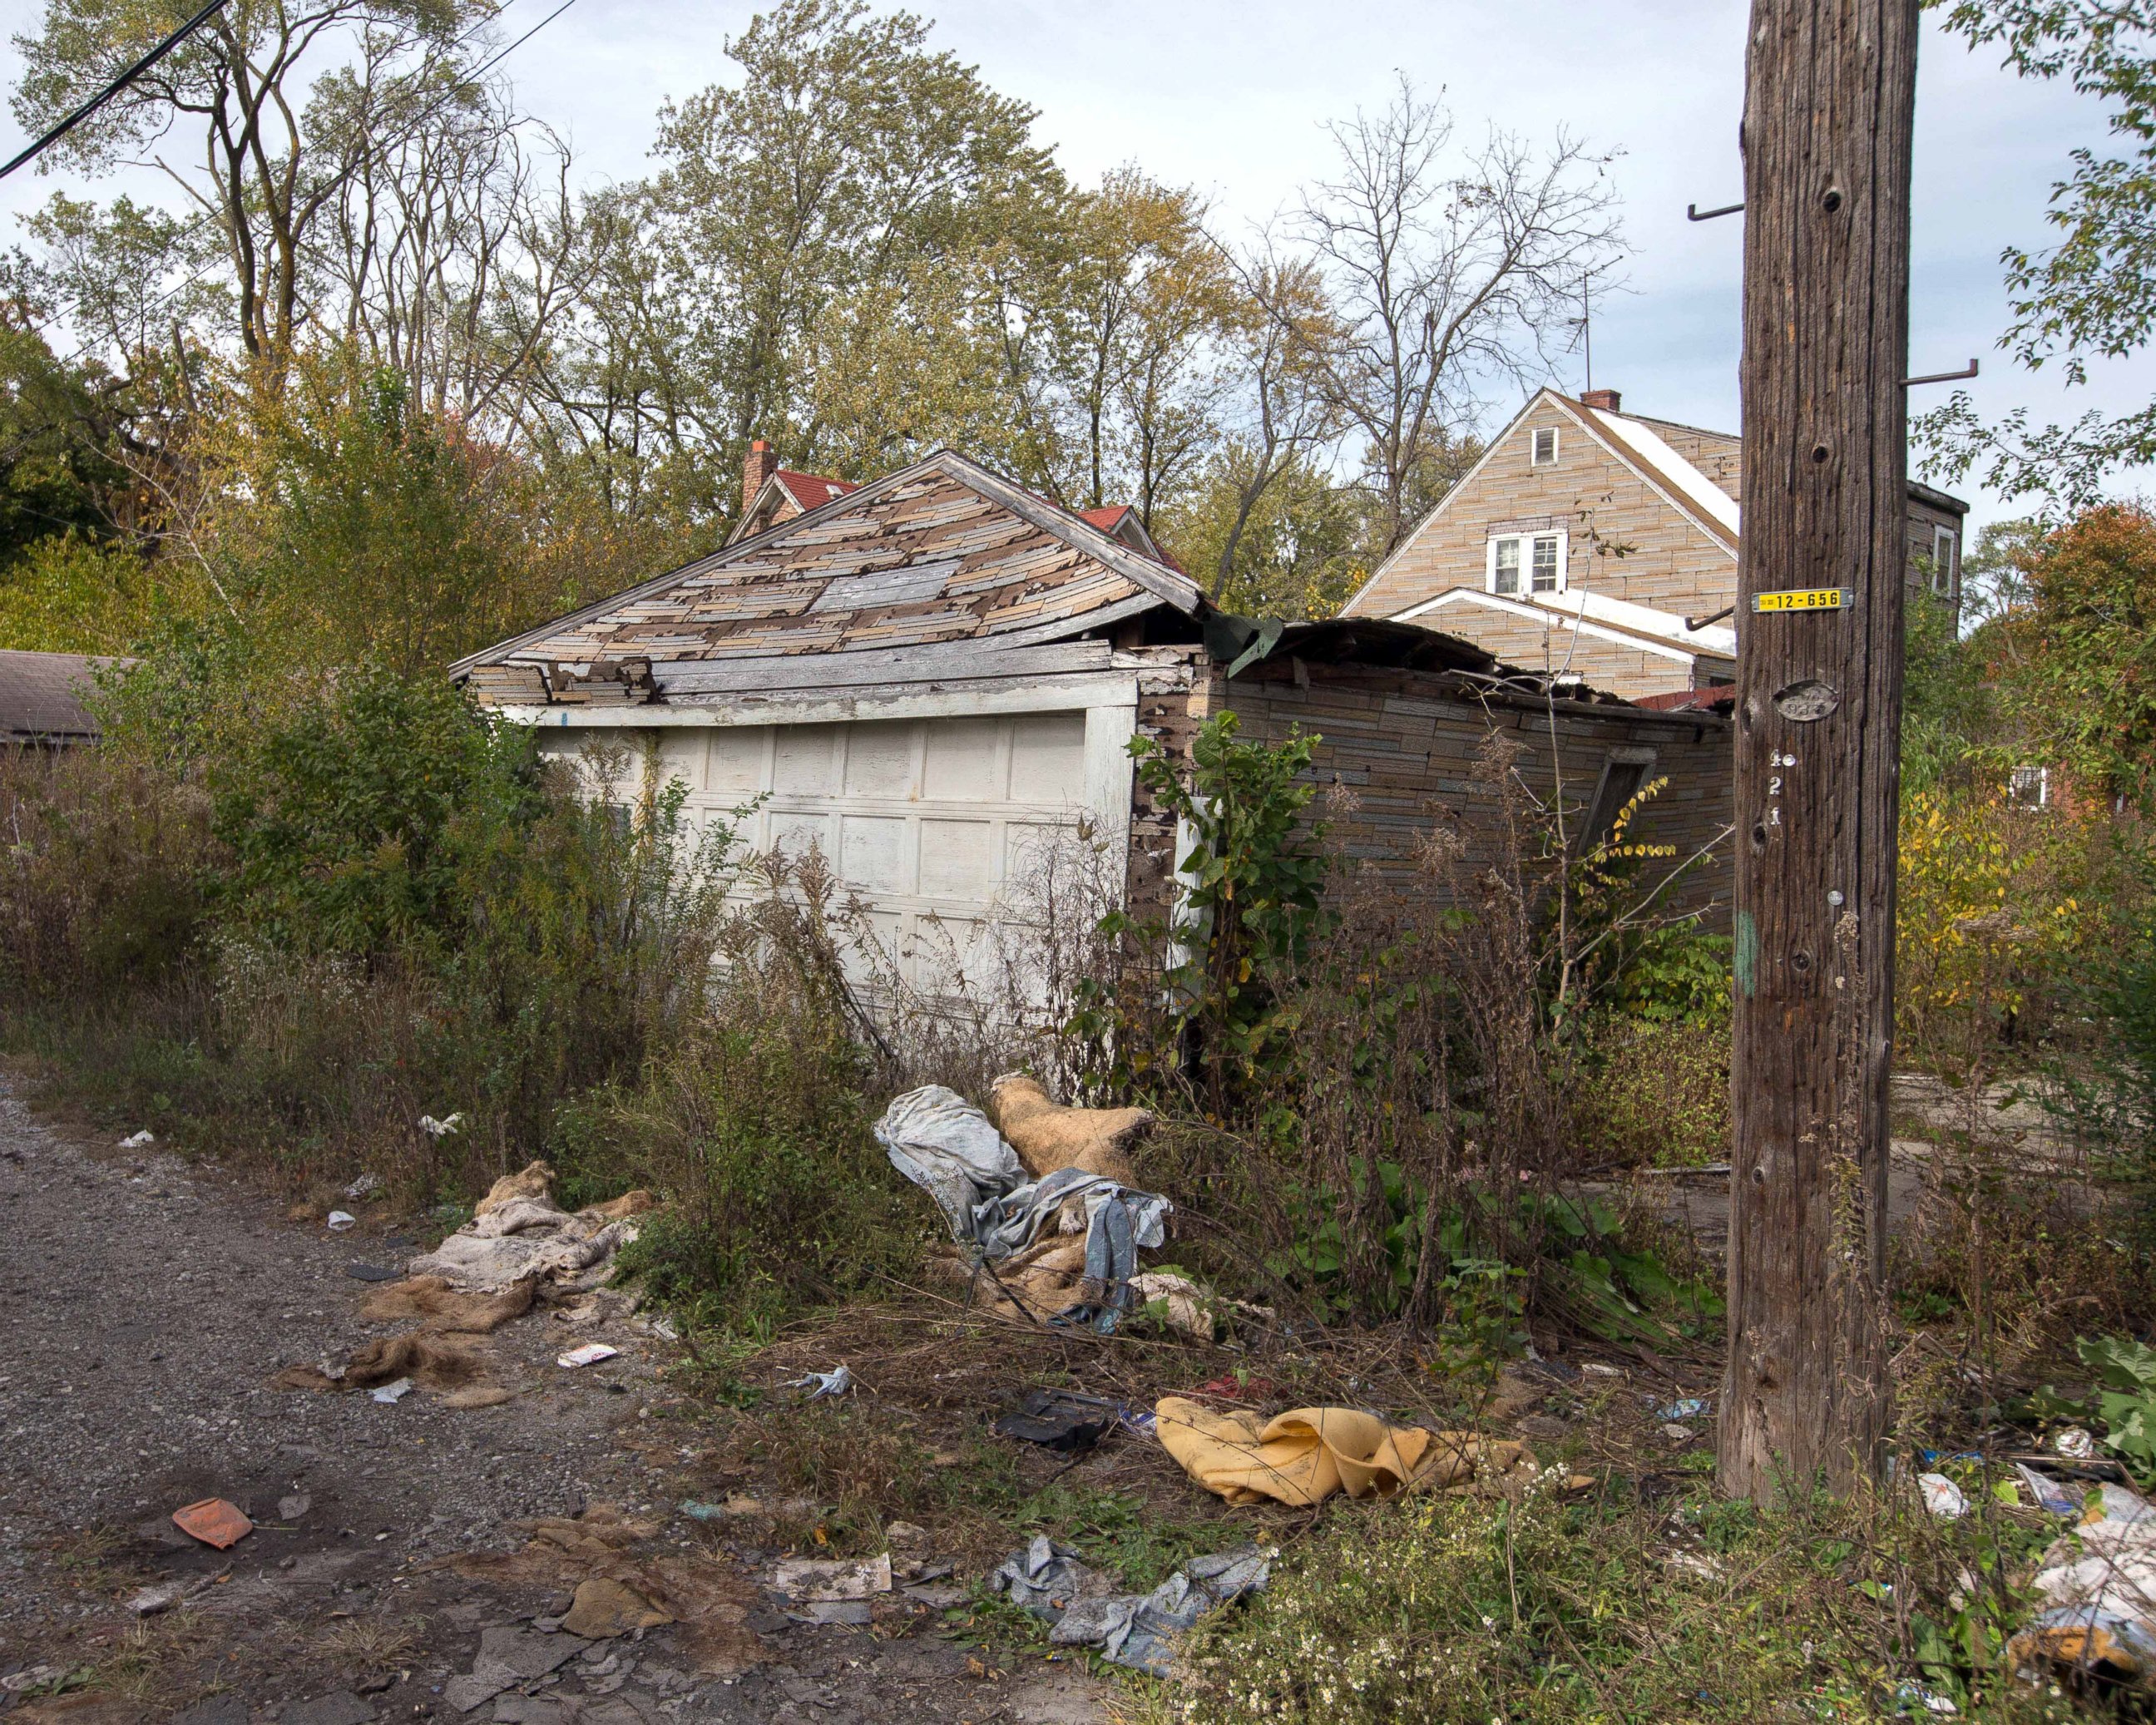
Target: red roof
1107 517
1678 700
812 490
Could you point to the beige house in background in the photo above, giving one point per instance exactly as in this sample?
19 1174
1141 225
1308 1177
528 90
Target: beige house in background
1594 544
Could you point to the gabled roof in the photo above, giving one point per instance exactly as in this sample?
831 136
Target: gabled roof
1119 520
1661 632
810 490
1634 442
41 697
939 553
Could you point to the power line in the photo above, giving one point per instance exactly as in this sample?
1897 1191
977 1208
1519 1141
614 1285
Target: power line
113 89
374 148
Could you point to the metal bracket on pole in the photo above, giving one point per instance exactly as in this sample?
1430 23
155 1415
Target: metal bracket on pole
1693 212
1940 377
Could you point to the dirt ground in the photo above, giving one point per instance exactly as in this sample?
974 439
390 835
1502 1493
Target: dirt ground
408 1560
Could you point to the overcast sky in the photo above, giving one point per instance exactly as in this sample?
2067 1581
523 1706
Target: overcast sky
1232 98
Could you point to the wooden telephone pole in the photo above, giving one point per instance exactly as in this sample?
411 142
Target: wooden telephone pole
1830 94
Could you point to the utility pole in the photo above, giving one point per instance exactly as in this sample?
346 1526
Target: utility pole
1830 99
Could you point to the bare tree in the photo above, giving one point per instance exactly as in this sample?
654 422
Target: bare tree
237 84
1445 277
1288 412
453 246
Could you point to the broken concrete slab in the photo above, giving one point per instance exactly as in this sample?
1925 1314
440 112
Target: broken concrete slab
514 1709
525 1653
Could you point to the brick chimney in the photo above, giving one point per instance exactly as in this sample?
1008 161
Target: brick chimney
756 470
1606 399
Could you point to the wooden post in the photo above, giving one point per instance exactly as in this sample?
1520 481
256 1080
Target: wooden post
1830 93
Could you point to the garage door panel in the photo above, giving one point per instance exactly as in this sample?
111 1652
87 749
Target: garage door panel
805 764
1048 758
682 755
880 760
736 763
958 860
875 852
797 833
966 761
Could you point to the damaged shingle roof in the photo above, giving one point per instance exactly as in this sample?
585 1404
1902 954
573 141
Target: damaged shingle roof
942 552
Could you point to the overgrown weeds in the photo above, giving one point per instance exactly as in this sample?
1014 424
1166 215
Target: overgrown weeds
1540 1608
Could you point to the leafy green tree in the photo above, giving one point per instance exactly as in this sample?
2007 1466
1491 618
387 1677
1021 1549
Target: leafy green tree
58 427
2084 689
2092 295
796 211
361 528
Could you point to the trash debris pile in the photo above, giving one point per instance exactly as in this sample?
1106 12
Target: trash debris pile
2099 1580
996 1206
1139 1630
1303 1456
465 1288
518 1230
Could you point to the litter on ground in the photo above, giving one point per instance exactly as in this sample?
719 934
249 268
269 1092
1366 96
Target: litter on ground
213 1521
365 1186
339 1221
390 1393
1139 1630
590 1354
1303 1456
819 1384
814 1580
1060 1420
2099 1583
436 1128
1943 1497
138 1141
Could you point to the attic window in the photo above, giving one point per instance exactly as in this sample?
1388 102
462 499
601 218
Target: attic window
1543 447
1526 562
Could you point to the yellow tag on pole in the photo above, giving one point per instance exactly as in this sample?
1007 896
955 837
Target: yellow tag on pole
1805 598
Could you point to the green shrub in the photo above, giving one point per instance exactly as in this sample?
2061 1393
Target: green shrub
1653 1093
371 907
104 874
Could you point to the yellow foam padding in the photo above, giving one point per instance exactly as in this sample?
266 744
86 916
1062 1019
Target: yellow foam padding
1303 1456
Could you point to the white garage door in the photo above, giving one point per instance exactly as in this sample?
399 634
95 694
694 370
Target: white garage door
934 823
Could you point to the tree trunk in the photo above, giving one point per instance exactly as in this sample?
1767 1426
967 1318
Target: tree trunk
1830 99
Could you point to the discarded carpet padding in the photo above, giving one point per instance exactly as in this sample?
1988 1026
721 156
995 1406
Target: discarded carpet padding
1049 1136
2097 1586
535 1179
435 1300
519 1232
1046 1278
428 1360
1303 1456
615 1593
478 1395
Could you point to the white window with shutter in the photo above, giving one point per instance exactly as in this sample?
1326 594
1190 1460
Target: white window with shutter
1541 443
1526 563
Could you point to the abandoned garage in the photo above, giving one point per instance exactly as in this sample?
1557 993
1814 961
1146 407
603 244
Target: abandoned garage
929 674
